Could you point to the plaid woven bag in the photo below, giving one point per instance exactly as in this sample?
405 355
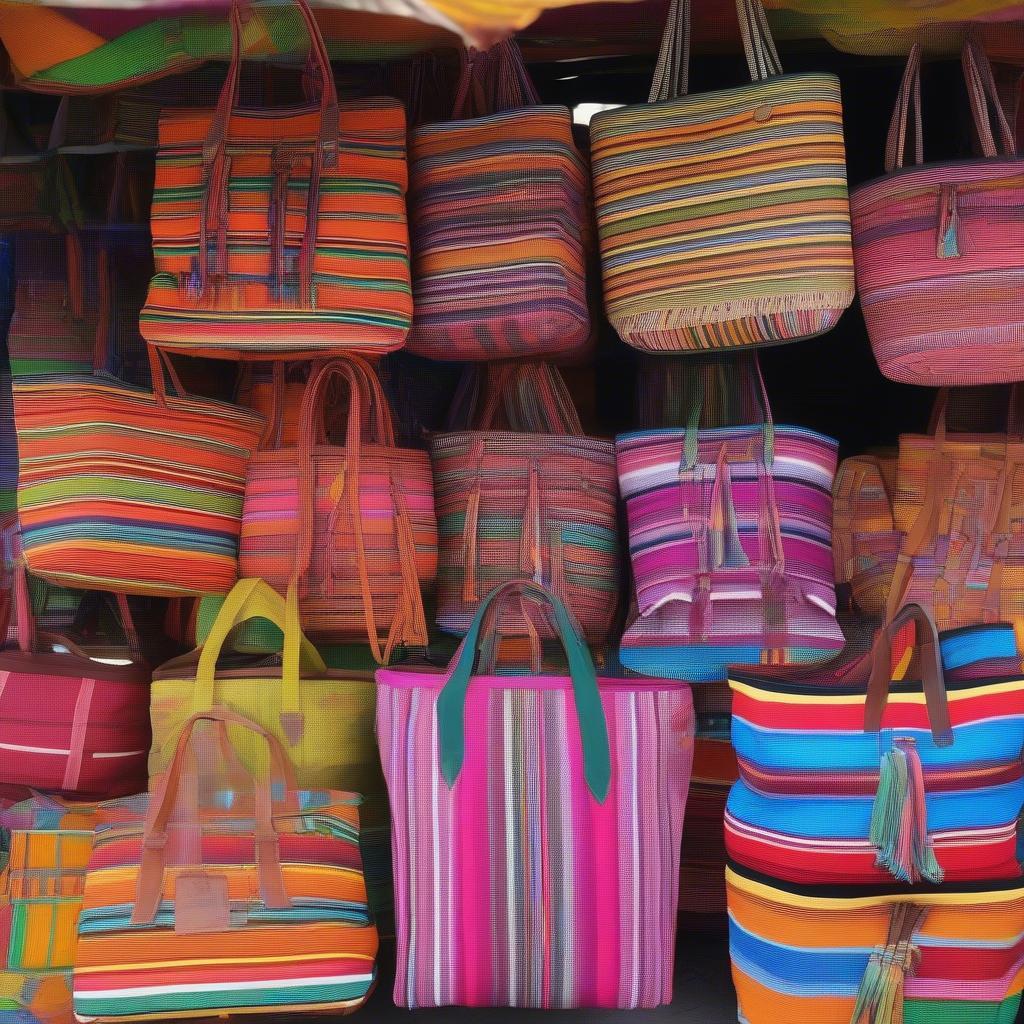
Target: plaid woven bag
280 231
933 237
155 508
353 524
537 505
498 218
723 217
730 536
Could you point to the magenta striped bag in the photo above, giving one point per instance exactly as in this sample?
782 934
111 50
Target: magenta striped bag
536 827
730 536
937 237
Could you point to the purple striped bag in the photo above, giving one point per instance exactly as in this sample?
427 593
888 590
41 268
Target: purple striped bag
730 536
537 823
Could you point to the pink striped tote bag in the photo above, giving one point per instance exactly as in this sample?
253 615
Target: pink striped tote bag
537 822
934 237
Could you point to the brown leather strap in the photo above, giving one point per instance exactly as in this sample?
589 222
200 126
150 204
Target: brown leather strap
932 676
149 887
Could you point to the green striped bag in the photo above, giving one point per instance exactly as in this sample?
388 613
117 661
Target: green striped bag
723 217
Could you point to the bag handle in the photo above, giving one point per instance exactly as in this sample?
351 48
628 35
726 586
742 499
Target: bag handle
149 887
932 676
672 69
451 702
493 80
534 396
981 89
250 599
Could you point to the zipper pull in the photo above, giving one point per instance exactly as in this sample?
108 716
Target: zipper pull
948 245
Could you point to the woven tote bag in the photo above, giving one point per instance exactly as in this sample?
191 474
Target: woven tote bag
497 211
69 723
536 828
847 777
247 902
515 505
353 524
730 533
325 718
837 954
933 237
280 231
723 217
156 506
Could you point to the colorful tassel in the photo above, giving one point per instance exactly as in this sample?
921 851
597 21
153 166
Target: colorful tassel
949 225
881 992
899 818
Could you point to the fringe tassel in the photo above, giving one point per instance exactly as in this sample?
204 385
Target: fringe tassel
948 246
880 997
899 818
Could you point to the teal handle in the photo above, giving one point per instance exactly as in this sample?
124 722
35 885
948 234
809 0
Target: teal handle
451 702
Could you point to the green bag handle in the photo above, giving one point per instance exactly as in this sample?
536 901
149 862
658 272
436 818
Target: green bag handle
451 703
256 599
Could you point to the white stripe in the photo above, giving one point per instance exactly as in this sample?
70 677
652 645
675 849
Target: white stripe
513 938
33 750
105 755
227 986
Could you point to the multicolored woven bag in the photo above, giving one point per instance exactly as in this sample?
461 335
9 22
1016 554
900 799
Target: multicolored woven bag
155 508
836 955
354 525
940 236
730 534
539 505
498 215
723 217
280 231
537 823
69 723
249 901
847 777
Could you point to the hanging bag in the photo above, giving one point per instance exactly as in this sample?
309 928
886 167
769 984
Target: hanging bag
354 525
498 218
940 255
590 775
880 769
280 231
70 723
249 901
129 490
537 502
723 217
730 536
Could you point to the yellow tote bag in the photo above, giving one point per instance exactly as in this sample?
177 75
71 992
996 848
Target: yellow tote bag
324 717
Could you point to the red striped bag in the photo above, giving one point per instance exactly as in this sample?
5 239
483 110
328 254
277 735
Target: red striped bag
932 238
538 505
354 523
70 723
499 221
280 230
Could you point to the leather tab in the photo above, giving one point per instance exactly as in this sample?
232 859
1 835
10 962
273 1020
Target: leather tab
201 903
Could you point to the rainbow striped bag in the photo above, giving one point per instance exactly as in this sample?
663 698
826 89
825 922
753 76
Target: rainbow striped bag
498 215
848 777
730 532
843 955
280 231
723 217
534 502
155 508
933 237
536 827
247 900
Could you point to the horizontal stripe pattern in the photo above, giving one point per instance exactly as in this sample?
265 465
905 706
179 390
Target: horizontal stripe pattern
360 297
498 215
903 224
723 217
116 492
516 887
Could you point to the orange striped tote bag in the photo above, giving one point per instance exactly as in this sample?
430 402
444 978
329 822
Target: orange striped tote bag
353 524
498 217
723 217
280 231
129 490
247 897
